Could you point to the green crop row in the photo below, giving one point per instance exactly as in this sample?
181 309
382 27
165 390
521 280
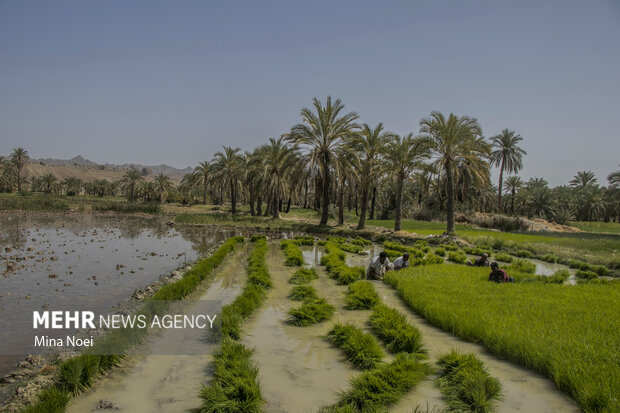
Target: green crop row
361 295
294 256
334 261
393 329
362 349
303 276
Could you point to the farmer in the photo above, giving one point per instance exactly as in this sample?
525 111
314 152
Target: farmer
378 266
498 275
483 261
401 262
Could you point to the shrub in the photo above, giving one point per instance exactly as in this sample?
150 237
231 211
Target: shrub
294 256
392 328
311 312
361 295
362 349
303 276
466 384
457 256
303 293
500 256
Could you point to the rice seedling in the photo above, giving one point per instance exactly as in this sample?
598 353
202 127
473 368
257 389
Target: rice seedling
523 254
361 295
522 266
311 312
431 259
303 276
451 247
352 248
362 242
457 256
549 258
392 254
557 278
476 251
235 387
466 384
391 327
304 240
334 261
362 349
440 251
397 246
586 275
377 389
303 293
294 257
500 256
51 400
567 333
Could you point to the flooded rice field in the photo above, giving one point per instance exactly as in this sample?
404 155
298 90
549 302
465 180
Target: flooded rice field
84 261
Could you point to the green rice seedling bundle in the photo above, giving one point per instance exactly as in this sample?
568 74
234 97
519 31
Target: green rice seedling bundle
352 248
362 242
292 252
256 237
361 295
392 254
235 387
432 259
501 256
451 247
311 312
337 268
457 256
425 249
51 400
476 251
558 277
362 349
523 254
549 258
397 246
568 333
304 240
440 251
257 269
522 266
377 389
303 293
586 275
393 329
466 384
303 276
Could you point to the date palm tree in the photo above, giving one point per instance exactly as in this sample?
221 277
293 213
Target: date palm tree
131 178
614 179
403 156
48 181
583 179
508 156
203 172
368 146
20 159
229 166
72 185
513 184
452 140
324 130
163 185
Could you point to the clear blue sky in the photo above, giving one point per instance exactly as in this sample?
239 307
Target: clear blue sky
171 82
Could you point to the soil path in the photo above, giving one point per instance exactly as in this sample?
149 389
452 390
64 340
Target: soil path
167 383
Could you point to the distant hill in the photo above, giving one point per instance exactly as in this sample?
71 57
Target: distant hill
88 170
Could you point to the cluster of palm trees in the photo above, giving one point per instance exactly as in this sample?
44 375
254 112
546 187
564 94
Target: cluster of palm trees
331 162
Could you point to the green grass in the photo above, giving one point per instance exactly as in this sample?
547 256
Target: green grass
391 327
375 390
361 349
334 262
599 227
235 387
303 293
361 295
466 384
303 276
33 202
128 207
311 312
292 252
567 333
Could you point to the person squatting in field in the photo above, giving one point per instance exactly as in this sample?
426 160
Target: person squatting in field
498 275
378 266
401 262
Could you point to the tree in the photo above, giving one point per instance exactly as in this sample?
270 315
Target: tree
203 172
162 186
324 131
614 179
403 155
228 165
583 179
508 156
20 159
129 181
368 146
48 181
451 141
72 185
512 185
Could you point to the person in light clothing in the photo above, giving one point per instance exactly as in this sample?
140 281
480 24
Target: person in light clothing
378 266
401 262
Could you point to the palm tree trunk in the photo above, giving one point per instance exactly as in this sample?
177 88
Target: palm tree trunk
306 194
325 213
288 204
512 201
277 204
499 190
450 200
19 179
341 203
252 199
259 206
364 207
269 206
204 191
372 205
233 197
356 196
399 202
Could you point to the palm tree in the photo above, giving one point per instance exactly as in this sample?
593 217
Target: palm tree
162 186
203 172
403 155
323 132
72 185
228 165
129 181
508 156
368 146
344 169
536 183
48 181
513 184
20 159
614 179
452 141
277 159
583 179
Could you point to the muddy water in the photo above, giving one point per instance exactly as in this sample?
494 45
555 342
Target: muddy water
299 369
156 383
83 262
524 390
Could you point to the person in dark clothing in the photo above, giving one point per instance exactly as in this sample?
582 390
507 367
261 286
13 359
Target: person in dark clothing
483 261
498 275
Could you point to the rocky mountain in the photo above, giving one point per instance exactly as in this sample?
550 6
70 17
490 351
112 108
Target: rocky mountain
80 162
